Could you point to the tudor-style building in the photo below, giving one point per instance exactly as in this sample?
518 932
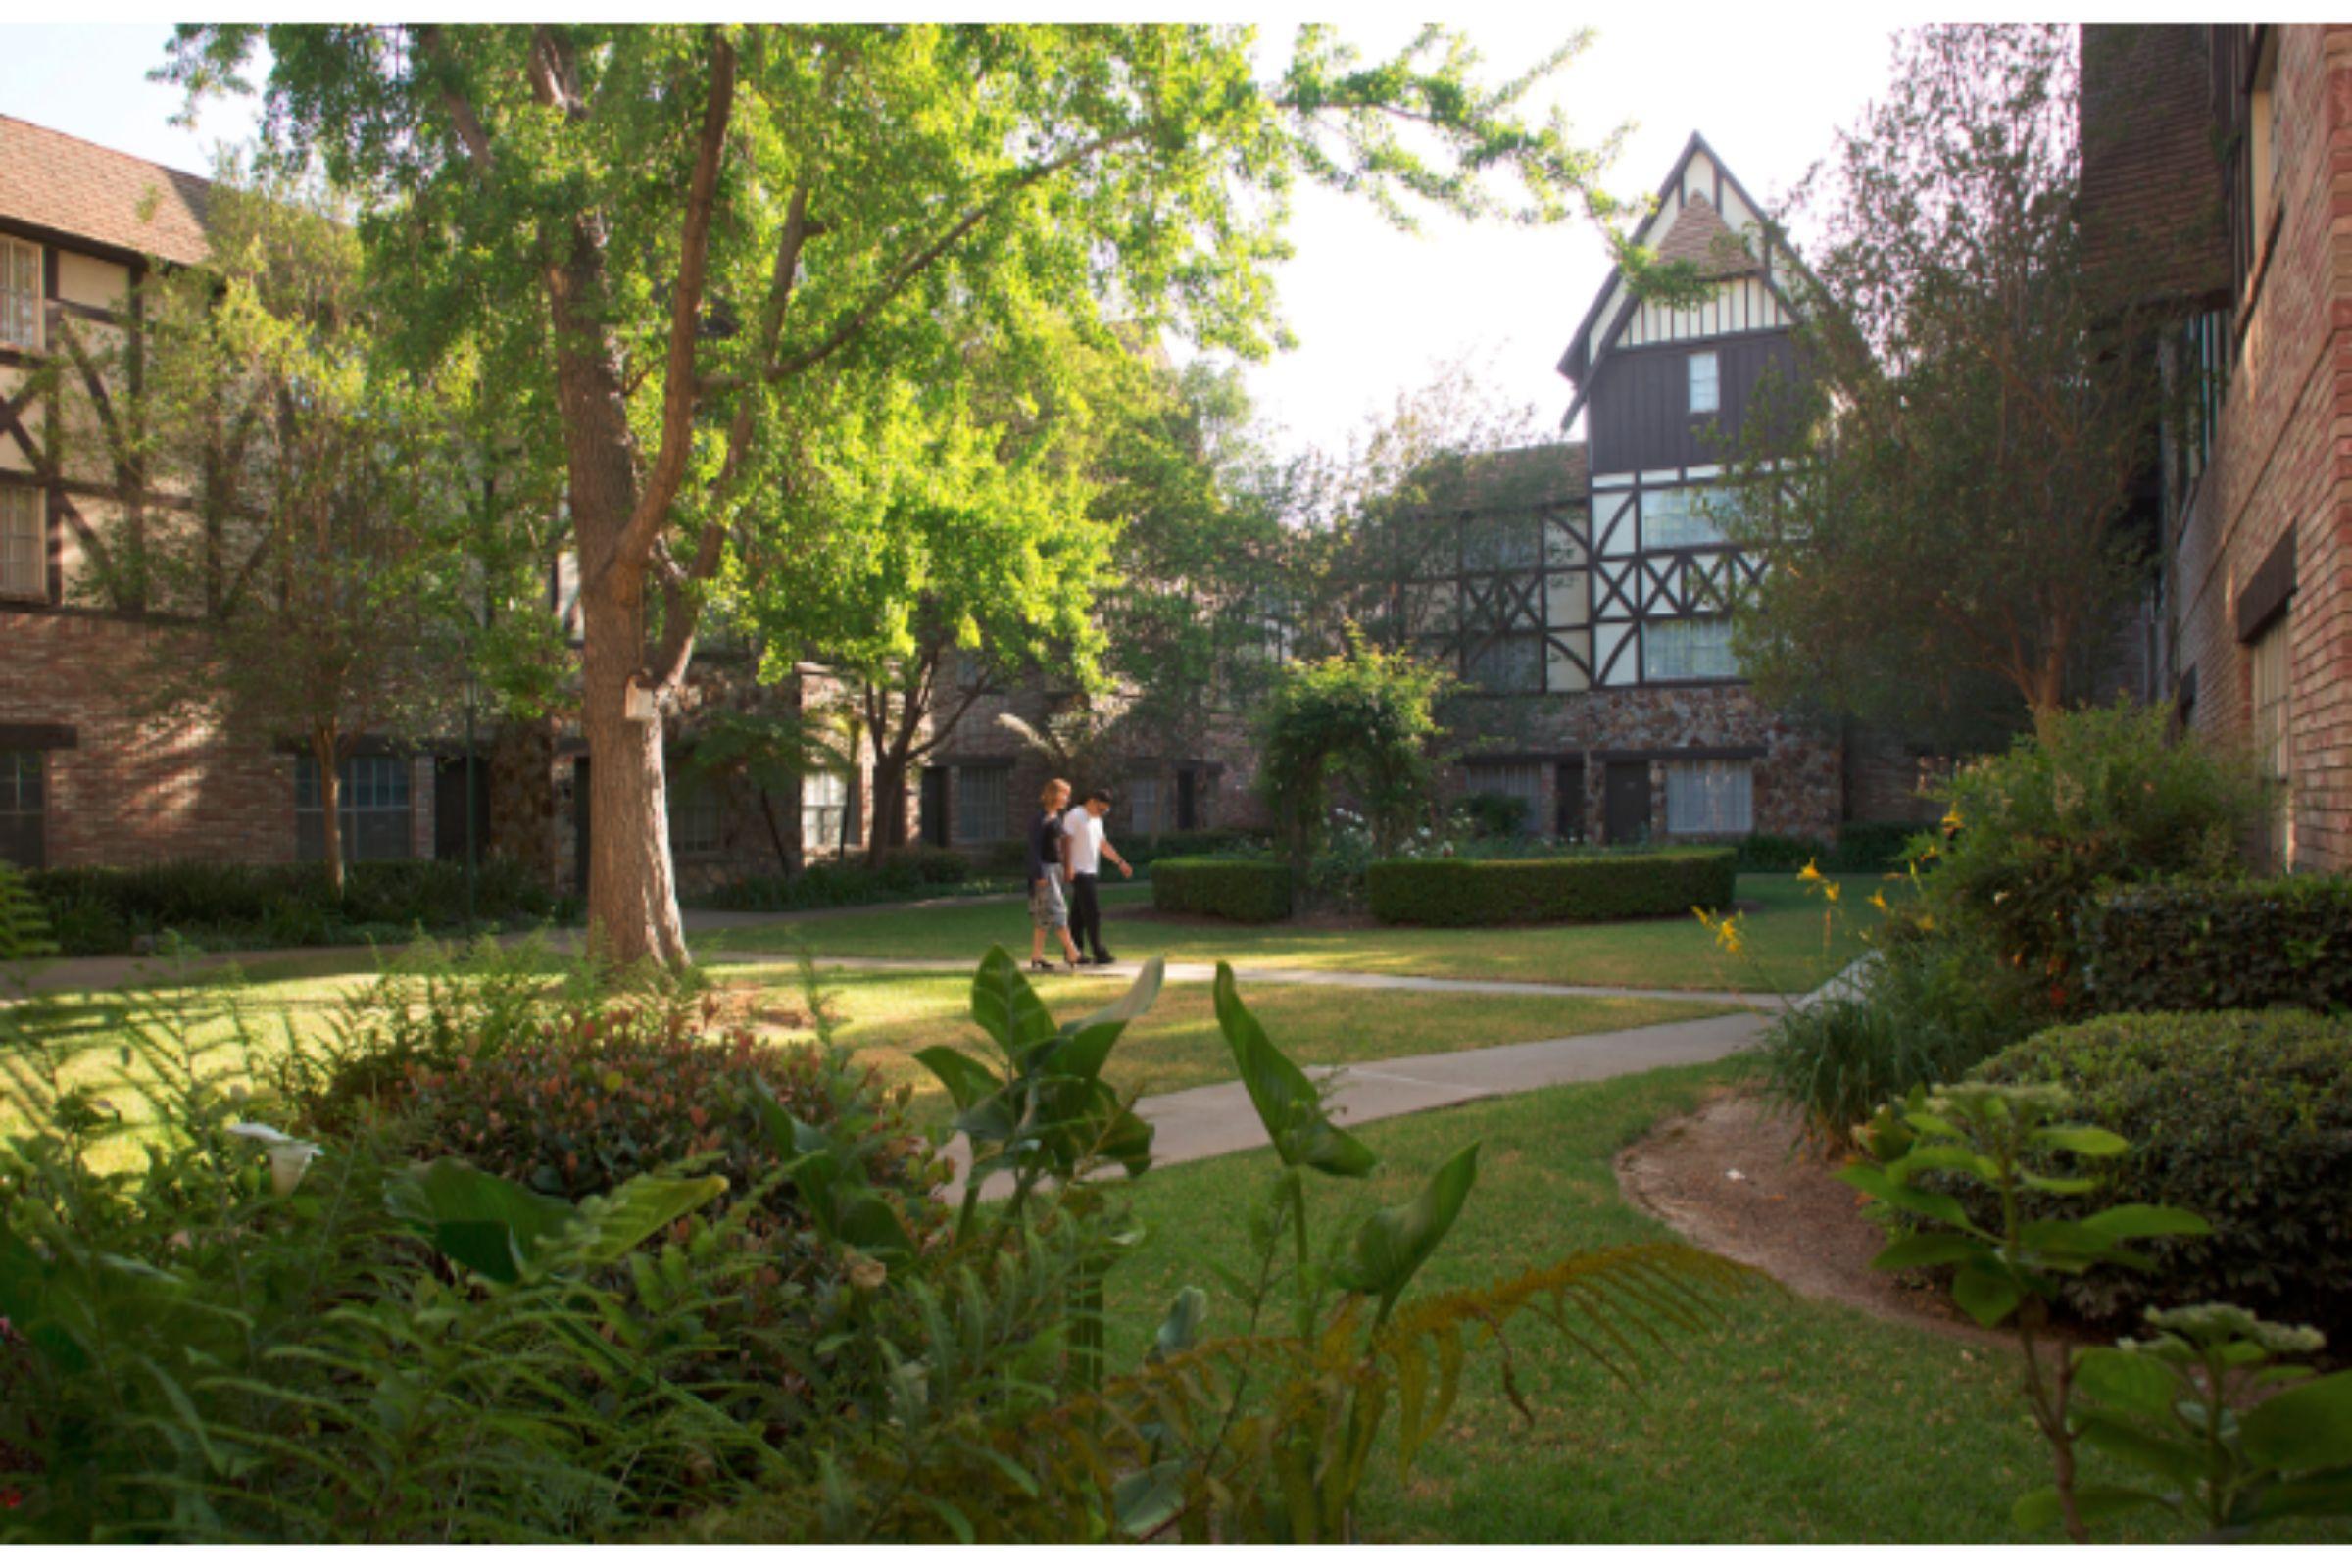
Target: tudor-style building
1581 587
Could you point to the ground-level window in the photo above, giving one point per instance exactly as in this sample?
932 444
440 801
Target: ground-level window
693 813
2275 739
981 815
23 573
1710 798
1147 812
20 294
1697 649
1519 781
23 810
375 810
828 811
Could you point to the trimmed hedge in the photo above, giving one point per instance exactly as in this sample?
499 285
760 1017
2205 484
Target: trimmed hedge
2195 947
1254 891
2244 1119
1580 888
1861 847
93 910
913 872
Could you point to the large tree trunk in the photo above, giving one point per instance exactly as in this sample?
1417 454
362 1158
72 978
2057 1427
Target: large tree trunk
324 750
632 890
888 830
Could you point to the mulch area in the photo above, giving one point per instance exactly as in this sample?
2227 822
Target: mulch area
1732 1178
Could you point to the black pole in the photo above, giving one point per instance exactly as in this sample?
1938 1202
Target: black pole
469 856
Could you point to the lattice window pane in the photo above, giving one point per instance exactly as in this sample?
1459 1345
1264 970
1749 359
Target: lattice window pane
1714 798
20 294
981 815
1145 814
1520 781
1699 648
1703 383
22 559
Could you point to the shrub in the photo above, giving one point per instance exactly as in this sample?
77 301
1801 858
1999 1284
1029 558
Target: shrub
2097 796
1926 1013
2242 1118
1149 849
106 909
913 872
1254 891
1779 852
1589 887
1495 816
1874 846
2188 946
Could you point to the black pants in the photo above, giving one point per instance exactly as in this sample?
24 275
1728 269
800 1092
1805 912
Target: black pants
1086 912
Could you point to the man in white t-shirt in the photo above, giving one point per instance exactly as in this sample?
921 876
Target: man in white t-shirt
1084 846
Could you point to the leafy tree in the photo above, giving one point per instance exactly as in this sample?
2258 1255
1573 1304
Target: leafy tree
731 250
1364 717
312 563
1944 492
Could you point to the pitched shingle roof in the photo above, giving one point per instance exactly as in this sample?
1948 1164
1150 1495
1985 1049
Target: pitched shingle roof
1702 237
1505 480
55 181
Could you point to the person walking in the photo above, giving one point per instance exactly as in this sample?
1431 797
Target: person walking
1084 846
1046 910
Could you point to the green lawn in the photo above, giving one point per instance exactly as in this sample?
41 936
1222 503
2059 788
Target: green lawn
1794 1421
1786 946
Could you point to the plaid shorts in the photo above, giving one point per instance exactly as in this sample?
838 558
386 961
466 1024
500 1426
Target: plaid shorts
1047 911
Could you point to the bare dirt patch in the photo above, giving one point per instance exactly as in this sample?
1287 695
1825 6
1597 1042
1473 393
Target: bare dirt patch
1731 1179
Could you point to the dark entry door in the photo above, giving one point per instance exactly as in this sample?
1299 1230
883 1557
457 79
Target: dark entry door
1569 811
579 822
1187 803
935 806
1627 806
449 807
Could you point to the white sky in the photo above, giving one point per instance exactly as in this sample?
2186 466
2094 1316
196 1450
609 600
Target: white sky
1375 310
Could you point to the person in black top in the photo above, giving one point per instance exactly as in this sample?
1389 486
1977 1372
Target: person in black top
1047 911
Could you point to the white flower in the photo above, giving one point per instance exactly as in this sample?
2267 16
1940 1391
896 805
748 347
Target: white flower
289 1156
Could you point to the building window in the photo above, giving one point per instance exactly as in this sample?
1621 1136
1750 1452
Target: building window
23 809
694 814
1703 388
22 563
2275 739
982 813
1146 814
20 294
1508 661
1697 649
828 811
1519 781
1677 519
376 811
1714 798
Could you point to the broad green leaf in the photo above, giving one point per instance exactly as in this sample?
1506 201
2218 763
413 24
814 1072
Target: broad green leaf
967 1082
487 1223
1285 1101
1150 1497
2328 1496
2062 1186
1086 1045
612 1225
1987 1293
2091 1143
1930 1249
1180 1330
1394 1244
2040 1510
2179 1463
1006 1008
2308 1427
1901 1194
2129 1220
2062 1237
2131 1383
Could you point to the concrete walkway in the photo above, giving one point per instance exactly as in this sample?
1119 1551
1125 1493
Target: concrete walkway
1218 1119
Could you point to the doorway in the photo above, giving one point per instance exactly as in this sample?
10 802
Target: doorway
1626 810
935 806
1568 803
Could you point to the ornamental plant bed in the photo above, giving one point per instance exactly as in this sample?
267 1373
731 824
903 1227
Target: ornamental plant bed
1575 888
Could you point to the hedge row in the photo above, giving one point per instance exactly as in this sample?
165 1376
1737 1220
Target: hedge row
2244 1119
95 909
1860 846
1580 887
2189 946
1256 890
913 872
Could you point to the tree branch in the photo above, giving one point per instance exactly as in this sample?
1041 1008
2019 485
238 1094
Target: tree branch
462 114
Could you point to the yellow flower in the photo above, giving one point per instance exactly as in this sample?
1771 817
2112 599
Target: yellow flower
1951 820
1829 891
1878 902
1811 873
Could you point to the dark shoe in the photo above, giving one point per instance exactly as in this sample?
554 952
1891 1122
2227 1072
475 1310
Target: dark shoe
1107 958
1040 966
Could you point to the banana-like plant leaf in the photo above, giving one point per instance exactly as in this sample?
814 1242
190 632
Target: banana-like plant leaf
1286 1102
1006 1008
1394 1242
612 1225
2308 1427
967 1082
1086 1045
487 1223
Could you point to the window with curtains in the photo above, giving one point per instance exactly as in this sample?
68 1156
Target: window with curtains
2275 739
376 815
1704 391
1699 648
1676 520
1146 813
828 811
24 561
1710 798
983 804
23 809
1521 781
20 294
694 814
